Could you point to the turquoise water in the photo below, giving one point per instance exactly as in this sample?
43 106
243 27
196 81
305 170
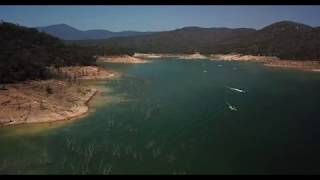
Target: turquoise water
172 117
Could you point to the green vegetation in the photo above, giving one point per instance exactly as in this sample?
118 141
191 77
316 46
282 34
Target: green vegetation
286 40
26 54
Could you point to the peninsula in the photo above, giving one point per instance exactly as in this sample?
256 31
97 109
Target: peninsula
41 80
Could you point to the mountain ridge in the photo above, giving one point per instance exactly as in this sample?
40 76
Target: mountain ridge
284 39
67 32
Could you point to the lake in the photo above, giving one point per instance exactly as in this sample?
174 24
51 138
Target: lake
176 117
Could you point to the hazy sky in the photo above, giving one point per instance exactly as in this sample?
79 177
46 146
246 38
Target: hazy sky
155 18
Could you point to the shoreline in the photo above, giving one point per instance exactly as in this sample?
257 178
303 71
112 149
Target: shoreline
29 103
90 107
271 61
268 61
73 117
123 59
313 66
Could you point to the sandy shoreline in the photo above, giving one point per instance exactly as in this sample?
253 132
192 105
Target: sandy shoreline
269 61
174 56
241 57
289 64
48 100
125 59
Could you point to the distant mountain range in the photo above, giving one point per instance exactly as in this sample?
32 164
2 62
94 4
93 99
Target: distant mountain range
66 32
285 39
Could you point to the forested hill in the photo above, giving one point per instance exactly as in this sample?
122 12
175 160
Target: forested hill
26 53
66 32
285 39
184 40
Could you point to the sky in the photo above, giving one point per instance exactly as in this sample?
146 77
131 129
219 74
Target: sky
158 18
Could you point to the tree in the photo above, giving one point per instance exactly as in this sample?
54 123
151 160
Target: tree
27 54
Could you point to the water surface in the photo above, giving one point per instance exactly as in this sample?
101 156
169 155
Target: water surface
172 117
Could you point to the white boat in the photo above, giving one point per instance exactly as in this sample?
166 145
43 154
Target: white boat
236 89
232 108
204 71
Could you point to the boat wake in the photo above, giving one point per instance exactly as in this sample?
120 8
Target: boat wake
232 108
236 89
